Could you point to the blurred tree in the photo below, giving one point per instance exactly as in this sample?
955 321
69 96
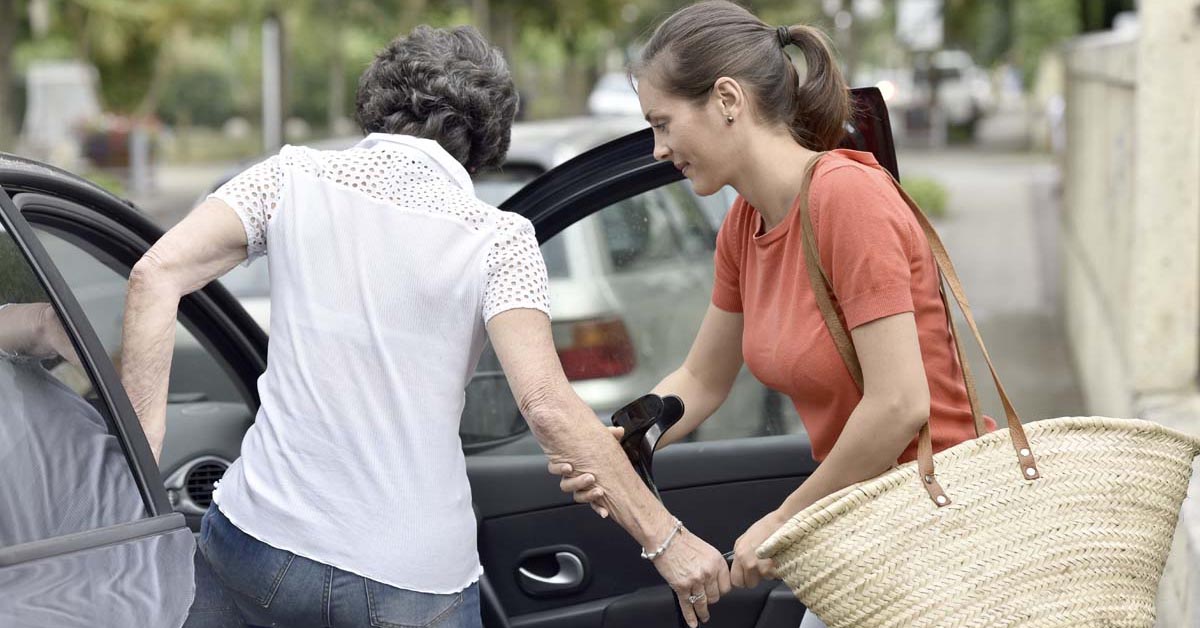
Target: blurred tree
1097 15
132 42
8 38
1017 31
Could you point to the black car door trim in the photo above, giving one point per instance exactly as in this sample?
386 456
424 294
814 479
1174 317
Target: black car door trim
242 344
91 539
87 346
680 466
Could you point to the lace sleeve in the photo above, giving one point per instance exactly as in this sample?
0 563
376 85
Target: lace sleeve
254 195
516 272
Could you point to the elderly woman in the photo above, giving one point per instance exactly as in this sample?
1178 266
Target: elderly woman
350 503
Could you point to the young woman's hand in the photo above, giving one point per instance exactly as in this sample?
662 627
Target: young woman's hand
748 569
583 486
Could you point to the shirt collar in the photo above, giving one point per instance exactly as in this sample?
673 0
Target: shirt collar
431 149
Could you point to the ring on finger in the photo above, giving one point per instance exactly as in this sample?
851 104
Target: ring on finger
699 597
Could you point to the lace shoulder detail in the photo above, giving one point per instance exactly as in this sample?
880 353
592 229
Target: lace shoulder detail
516 273
254 196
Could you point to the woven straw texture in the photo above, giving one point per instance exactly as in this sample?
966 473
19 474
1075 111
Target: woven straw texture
1083 545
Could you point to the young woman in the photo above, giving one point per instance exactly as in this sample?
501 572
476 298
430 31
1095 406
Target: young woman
728 107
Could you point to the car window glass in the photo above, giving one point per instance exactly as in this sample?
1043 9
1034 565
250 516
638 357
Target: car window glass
639 233
694 231
196 374
626 316
62 469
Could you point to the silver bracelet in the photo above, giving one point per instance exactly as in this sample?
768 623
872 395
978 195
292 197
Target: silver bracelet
667 543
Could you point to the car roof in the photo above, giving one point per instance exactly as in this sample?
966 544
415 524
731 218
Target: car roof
548 143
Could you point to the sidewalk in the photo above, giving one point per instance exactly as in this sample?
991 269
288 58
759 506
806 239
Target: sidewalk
1003 236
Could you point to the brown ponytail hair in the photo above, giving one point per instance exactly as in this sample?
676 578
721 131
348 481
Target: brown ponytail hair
700 43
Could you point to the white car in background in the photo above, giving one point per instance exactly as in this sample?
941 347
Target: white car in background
965 92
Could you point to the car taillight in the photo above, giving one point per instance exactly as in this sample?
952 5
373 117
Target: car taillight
594 348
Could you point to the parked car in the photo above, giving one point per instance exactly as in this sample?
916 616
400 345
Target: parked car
101 539
965 93
613 95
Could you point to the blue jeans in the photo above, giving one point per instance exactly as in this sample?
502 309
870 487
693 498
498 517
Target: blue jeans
273 587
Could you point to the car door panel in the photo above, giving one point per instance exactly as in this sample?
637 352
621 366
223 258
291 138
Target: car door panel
137 574
219 352
89 540
717 488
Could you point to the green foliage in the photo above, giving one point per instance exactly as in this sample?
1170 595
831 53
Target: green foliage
17 283
929 195
197 96
107 181
1040 26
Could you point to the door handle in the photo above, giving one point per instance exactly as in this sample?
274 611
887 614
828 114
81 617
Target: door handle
569 577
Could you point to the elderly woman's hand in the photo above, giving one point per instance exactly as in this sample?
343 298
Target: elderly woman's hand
583 485
34 330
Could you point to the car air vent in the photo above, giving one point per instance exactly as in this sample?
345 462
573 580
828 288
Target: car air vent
199 482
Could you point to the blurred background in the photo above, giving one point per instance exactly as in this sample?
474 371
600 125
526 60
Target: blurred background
1055 144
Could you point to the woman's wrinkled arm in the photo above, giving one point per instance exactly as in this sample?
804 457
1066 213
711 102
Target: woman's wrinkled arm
577 442
203 246
566 427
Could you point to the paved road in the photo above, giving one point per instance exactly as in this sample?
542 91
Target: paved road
1002 234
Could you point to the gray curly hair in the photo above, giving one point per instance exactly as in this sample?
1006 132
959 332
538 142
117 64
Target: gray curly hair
447 85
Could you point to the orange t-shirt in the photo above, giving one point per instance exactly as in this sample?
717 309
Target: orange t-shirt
879 263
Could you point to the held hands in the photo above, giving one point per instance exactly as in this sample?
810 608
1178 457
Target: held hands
583 486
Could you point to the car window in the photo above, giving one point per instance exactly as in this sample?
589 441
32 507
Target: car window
63 470
639 232
495 186
619 327
196 374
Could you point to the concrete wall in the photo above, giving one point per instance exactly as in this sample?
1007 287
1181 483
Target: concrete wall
1131 218
1131 242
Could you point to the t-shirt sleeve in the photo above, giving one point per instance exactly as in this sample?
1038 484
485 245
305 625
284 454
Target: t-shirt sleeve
865 239
254 195
516 273
727 288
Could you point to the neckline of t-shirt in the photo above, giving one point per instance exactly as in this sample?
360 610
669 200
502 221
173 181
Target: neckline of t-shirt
773 234
779 231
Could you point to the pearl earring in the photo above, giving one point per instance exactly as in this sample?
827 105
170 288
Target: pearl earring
729 119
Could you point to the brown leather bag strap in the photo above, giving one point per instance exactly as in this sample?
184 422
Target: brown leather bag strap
823 291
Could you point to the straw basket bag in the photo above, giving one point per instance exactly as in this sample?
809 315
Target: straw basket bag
1062 522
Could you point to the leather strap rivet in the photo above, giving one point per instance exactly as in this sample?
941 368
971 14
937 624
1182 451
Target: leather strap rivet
1030 471
928 479
1024 451
941 500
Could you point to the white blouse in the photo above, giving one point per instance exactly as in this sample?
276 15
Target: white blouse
384 269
